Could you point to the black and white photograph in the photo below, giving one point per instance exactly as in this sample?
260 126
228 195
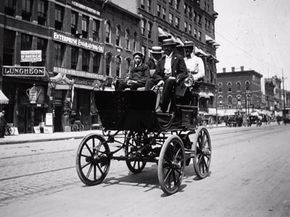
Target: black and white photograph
145 108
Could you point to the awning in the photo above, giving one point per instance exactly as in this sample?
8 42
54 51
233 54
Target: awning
209 39
162 33
200 52
203 94
3 98
179 42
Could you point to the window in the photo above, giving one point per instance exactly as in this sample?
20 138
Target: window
74 57
199 20
190 29
220 87
185 26
74 22
238 86
158 10
127 39
199 35
195 33
41 12
190 12
176 4
108 63
220 100
10 7
149 29
95 30
118 35
58 54
128 63
171 2
59 11
229 87
108 32
247 85
26 9
135 41
230 99
26 42
42 45
8 47
86 60
185 8
170 18
118 66
143 4
85 26
149 5
143 24
163 13
96 62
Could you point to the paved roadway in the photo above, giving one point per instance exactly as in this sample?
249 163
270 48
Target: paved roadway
250 177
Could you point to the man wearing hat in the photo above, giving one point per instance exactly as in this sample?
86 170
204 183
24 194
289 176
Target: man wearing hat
138 74
171 70
156 54
194 64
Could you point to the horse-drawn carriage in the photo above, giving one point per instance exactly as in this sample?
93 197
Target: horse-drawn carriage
132 125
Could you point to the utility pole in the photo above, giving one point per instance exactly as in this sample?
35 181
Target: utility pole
284 100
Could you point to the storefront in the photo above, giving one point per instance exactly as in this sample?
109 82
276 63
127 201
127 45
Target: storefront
26 88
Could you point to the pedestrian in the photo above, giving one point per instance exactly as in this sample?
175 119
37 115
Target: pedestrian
138 74
2 124
171 70
194 64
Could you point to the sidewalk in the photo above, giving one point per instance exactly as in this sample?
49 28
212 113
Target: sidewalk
40 137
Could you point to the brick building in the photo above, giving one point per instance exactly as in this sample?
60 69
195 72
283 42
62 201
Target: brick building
239 90
53 54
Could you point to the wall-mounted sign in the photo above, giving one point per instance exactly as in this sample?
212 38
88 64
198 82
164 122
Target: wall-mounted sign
85 8
90 45
31 55
78 73
25 71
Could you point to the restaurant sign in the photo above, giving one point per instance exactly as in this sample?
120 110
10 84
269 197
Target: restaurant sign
23 71
90 45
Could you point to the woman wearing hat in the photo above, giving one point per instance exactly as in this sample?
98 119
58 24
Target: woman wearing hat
138 74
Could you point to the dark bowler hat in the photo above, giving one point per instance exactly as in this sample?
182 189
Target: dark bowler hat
156 50
169 42
138 53
188 44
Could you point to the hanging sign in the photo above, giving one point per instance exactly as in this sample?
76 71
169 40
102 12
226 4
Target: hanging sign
31 56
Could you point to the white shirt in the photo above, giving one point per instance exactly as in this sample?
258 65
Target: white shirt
195 65
167 65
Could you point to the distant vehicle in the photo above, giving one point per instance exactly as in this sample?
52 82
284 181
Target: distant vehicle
286 115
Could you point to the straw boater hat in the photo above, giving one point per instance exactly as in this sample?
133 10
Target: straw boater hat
169 42
188 44
156 50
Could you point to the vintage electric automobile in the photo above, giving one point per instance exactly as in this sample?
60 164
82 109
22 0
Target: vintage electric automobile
132 126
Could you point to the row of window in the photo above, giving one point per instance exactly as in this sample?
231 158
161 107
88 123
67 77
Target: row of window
238 86
59 48
118 64
59 13
128 42
232 100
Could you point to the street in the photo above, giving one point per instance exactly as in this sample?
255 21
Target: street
250 170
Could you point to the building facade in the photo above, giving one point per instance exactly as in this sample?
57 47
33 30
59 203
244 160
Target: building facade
53 56
239 90
273 93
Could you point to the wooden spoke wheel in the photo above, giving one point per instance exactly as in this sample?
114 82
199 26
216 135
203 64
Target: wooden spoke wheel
171 164
203 150
93 159
133 152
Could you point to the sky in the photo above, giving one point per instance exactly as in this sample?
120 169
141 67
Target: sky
254 34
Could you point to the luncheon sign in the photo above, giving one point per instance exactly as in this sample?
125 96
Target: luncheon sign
90 45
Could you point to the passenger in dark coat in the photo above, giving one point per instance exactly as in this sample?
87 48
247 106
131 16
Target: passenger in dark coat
138 74
171 69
